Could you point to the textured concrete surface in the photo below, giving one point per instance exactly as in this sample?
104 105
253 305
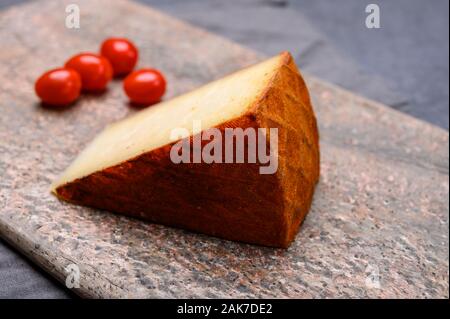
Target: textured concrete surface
381 208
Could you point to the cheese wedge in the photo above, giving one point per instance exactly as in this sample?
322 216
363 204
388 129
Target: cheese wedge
128 169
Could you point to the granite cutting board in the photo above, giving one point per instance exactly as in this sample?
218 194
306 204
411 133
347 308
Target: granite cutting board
379 222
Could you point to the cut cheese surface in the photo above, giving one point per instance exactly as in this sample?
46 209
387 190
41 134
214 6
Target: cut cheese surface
212 104
128 169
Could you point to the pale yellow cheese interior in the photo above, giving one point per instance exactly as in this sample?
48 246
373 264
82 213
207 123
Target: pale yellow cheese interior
212 104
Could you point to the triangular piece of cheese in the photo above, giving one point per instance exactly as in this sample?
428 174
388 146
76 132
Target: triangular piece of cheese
128 169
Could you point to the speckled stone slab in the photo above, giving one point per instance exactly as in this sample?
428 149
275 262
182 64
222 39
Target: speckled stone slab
380 217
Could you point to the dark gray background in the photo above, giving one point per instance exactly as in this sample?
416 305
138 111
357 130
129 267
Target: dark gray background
404 64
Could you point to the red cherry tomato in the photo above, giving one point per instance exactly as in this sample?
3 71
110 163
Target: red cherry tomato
121 53
95 70
58 87
145 86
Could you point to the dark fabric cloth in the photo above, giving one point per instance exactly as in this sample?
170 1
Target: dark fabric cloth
20 279
404 64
